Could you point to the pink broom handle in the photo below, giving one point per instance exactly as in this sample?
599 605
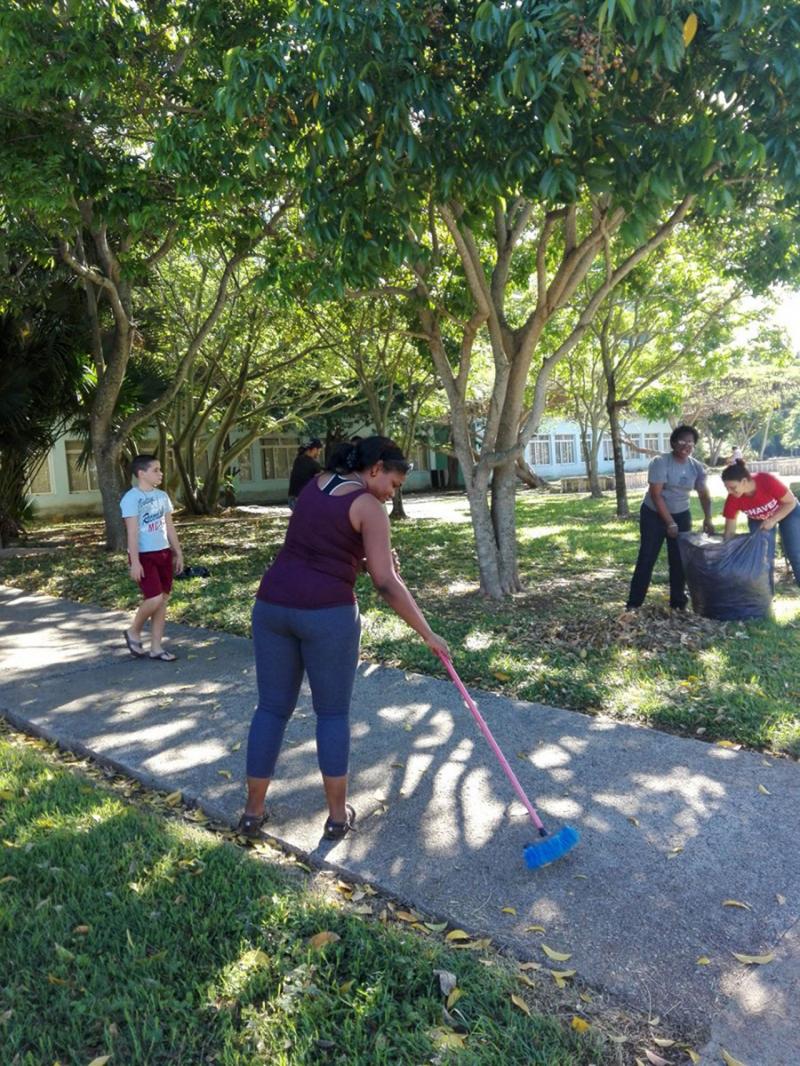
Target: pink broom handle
476 714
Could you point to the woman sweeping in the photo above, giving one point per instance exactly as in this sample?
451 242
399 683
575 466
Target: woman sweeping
767 503
306 618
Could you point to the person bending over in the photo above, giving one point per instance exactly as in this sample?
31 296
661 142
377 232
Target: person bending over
768 503
306 618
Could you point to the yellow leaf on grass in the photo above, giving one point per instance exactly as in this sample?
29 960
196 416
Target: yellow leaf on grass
319 940
509 910
729 1060
81 930
448 1038
736 903
530 966
704 960
727 744
454 997
225 773
406 916
521 1004
523 977
756 960
764 790
173 799
692 1055
534 928
562 976
657 1060
580 1025
661 1041
101 1060
236 746
457 934
689 29
501 675
436 927
556 956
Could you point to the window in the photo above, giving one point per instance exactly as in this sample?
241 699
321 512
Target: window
277 456
40 483
418 455
541 450
652 442
635 443
565 448
81 478
666 447
608 449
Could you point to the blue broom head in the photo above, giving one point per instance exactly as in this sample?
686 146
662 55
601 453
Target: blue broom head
551 848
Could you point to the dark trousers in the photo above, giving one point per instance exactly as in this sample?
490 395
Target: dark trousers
653 533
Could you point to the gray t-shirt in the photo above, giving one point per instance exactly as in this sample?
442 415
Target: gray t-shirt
151 510
678 480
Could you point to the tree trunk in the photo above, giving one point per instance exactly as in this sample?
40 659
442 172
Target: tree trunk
504 522
620 487
398 512
528 476
485 542
107 453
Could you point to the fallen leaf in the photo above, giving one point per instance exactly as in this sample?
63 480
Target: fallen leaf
81 930
656 1059
101 1060
523 977
362 908
586 997
580 1025
173 799
661 1041
457 934
534 928
436 927
531 966
689 29
501 675
764 790
8 879
236 746
509 910
521 1004
562 976
692 1055
447 1038
729 1060
757 960
406 916
225 773
728 744
779 899
556 956
736 903
319 940
704 960
454 997
633 821
447 981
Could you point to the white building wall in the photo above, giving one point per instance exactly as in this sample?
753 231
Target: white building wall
559 440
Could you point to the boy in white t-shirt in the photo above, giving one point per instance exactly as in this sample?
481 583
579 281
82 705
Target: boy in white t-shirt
154 554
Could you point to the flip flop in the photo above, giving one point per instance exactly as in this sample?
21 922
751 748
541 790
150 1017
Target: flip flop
163 657
134 646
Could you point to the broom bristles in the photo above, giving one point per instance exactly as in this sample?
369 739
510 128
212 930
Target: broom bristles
551 848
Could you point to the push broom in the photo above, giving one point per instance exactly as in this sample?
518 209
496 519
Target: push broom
549 848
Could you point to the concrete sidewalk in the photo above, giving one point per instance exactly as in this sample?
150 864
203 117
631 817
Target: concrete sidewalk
670 827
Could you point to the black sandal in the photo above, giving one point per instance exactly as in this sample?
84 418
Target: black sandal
250 825
336 830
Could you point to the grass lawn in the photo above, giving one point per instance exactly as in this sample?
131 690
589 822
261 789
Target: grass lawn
565 641
130 937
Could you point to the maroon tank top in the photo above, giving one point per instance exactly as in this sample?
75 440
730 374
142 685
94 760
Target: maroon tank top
320 558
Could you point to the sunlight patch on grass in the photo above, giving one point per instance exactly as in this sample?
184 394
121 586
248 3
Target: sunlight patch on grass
529 533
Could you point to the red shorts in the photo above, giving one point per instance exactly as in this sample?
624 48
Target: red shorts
158 571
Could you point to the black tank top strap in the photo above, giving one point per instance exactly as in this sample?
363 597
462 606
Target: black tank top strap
338 480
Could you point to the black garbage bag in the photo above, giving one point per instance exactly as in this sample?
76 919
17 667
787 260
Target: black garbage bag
728 579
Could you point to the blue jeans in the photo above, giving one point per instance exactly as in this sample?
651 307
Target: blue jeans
653 533
289 642
790 541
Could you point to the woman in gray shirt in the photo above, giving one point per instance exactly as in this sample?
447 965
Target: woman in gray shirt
665 513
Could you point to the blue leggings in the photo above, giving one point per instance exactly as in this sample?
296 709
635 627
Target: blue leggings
288 641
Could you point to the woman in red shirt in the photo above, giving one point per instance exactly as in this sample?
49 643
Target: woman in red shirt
768 503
